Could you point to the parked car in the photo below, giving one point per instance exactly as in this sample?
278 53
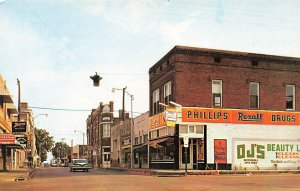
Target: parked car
53 164
79 164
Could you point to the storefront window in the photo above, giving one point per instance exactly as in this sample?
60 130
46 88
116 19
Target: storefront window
199 129
136 158
163 150
183 129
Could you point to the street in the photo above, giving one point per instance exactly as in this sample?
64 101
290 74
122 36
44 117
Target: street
48 179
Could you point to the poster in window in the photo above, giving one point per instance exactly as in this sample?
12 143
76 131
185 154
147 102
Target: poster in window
220 151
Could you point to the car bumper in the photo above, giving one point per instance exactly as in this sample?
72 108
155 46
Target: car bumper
80 167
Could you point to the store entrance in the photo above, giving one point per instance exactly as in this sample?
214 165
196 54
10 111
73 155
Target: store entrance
194 154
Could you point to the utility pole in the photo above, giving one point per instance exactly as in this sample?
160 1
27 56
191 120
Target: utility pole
71 150
123 109
19 99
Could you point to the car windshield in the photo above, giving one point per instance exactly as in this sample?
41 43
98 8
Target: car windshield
80 161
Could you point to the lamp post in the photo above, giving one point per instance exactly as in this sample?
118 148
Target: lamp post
131 127
82 143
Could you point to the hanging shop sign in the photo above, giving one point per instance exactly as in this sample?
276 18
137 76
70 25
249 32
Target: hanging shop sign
6 139
266 154
19 126
22 140
220 151
207 115
170 117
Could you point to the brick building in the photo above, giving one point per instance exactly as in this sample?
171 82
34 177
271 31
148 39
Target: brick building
209 89
99 124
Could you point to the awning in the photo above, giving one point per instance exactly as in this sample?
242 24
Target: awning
5 95
15 146
141 147
157 141
126 147
12 108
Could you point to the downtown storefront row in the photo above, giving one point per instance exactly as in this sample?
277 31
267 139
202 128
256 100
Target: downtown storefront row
225 139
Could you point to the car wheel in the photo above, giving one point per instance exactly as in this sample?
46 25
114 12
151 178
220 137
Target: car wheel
87 170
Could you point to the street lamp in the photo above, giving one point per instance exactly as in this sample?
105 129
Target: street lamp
45 114
82 143
131 127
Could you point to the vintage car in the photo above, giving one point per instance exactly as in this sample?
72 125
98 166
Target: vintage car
79 164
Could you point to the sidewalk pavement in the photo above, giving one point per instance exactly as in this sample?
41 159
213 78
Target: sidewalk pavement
162 173
17 175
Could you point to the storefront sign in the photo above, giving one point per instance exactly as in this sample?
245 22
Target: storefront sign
266 154
157 121
207 115
18 126
22 140
220 151
6 139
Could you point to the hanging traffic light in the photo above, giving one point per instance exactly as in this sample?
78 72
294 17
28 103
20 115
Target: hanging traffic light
96 79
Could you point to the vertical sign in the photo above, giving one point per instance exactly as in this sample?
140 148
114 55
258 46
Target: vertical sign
220 151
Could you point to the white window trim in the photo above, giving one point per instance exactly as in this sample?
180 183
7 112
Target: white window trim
106 130
168 87
221 92
294 97
155 98
258 95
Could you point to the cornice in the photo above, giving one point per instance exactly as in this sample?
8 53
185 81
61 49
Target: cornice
192 51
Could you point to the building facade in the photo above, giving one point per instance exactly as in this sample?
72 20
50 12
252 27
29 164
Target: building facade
99 125
7 109
140 146
197 96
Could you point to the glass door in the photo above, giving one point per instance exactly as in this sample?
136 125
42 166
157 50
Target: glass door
189 156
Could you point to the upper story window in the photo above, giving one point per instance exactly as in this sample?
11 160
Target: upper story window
290 97
217 93
254 63
106 129
145 138
254 95
217 59
155 101
168 92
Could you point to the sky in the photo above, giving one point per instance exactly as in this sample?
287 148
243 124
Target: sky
54 46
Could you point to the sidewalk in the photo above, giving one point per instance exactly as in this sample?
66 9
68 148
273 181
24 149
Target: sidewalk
17 175
162 173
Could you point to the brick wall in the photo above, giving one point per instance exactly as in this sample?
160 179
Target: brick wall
192 73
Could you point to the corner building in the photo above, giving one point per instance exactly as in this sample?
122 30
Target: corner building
238 111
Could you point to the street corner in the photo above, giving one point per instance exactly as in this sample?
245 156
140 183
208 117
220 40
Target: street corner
13 176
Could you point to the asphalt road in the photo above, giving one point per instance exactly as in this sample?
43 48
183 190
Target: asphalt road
55 179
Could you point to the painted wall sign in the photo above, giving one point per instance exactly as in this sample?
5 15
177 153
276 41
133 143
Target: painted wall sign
6 139
220 151
157 121
208 115
19 126
266 155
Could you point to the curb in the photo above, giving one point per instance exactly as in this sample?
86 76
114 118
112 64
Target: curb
27 176
31 173
158 173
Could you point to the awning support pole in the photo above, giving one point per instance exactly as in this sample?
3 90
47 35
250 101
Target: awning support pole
3 147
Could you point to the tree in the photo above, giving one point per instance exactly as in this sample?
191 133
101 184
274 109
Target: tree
61 150
44 143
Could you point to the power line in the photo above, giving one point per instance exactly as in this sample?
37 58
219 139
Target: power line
59 109
71 110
